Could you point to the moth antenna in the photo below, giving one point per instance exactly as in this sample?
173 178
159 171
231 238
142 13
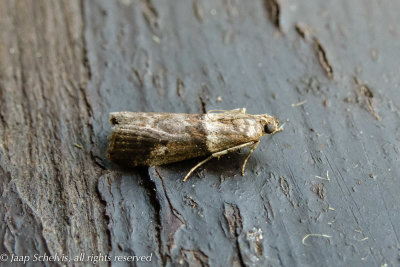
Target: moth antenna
279 129
236 110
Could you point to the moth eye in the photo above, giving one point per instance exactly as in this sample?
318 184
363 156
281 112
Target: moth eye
269 128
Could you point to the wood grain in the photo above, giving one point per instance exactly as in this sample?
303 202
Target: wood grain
323 192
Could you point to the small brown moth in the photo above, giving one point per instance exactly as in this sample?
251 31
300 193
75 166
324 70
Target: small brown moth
151 139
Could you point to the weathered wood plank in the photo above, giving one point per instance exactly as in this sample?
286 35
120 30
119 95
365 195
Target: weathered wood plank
328 69
49 185
207 49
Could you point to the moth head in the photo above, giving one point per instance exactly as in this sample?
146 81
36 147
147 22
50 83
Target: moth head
271 125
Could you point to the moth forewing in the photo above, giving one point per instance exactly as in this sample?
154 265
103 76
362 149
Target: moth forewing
225 130
152 139
140 138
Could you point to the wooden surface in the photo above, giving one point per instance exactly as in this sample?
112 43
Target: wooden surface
324 192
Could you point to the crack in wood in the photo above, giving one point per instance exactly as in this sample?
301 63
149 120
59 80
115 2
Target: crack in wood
203 105
273 9
235 226
303 30
323 58
319 189
150 187
180 88
172 208
150 15
195 257
365 97
268 209
198 11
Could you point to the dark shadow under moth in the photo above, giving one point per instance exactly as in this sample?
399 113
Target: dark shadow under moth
152 139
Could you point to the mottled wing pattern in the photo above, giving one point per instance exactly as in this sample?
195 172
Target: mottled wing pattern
225 130
140 138
155 138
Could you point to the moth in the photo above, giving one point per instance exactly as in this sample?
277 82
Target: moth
152 139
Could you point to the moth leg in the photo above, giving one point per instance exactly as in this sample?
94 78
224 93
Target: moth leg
248 156
195 167
217 155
